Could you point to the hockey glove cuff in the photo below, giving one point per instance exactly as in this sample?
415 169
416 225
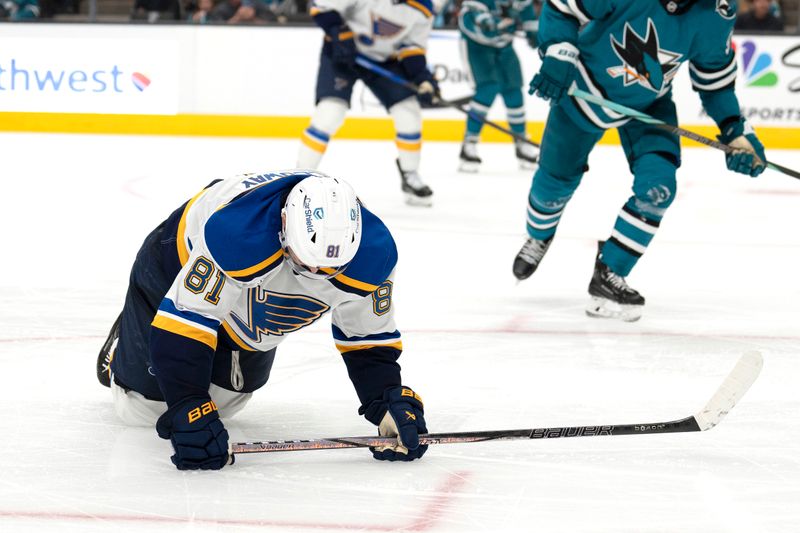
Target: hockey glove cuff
403 418
748 156
197 434
428 93
557 72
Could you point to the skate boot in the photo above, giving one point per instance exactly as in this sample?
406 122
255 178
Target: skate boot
611 295
417 193
468 159
529 257
527 155
107 354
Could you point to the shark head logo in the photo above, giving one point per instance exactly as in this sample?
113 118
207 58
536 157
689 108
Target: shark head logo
643 60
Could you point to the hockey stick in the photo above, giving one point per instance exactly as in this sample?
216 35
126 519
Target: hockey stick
647 119
455 104
731 391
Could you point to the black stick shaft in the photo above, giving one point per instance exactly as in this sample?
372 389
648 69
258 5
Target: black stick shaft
684 425
369 65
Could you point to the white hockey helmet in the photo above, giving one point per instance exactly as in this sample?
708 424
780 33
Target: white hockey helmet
322 226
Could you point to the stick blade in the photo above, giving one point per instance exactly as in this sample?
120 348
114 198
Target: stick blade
731 391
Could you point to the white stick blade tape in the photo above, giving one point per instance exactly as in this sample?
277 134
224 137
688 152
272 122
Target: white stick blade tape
731 391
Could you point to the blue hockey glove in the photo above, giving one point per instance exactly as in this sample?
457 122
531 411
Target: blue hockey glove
343 48
557 72
404 418
749 157
428 94
197 434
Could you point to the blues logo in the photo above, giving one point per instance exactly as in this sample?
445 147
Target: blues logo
273 313
643 60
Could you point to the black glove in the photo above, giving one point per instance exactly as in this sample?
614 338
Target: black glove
404 418
428 93
197 434
343 48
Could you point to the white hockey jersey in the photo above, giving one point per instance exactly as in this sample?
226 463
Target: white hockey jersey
234 286
384 29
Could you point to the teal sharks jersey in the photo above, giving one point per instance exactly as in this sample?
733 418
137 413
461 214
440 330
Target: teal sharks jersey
631 50
480 21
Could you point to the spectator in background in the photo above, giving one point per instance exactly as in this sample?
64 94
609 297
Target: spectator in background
241 12
760 17
199 12
19 9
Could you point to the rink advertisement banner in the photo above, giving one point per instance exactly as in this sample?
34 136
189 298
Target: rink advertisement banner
260 81
89 75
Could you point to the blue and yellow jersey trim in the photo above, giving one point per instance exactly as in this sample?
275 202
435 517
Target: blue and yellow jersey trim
410 51
423 6
186 324
264 267
180 241
347 344
236 339
352 285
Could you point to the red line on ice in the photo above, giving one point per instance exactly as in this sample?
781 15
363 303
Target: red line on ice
427 519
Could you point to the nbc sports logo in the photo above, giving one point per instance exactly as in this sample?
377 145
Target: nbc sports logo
757 71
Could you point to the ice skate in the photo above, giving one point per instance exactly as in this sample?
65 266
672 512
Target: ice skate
468 159
530 255
527 155
106 354
417 193
611 295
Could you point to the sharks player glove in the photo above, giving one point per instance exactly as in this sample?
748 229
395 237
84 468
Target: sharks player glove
403 418
557 72
197 434
748 157
343 48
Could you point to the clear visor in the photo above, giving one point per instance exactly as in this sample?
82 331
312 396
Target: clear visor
300 268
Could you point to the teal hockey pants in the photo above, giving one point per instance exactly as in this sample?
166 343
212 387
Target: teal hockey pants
495 71
653 157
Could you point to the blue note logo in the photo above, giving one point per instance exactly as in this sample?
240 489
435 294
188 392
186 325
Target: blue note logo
644 62
273 313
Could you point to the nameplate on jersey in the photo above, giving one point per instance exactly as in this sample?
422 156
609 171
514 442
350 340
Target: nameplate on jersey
274 313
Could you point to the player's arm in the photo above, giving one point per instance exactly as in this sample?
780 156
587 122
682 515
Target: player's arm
559 25
183 340
478 23
412 52
329 15
712 69
366 335
530 25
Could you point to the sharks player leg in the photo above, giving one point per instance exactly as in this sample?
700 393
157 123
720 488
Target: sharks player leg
482 63
527 154
654 157
562 163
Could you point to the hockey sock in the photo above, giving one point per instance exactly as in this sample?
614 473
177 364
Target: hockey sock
328 117
407 118
546 201
632 233
515 109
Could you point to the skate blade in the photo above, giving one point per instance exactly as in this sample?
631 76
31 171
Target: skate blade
418 201
470 167
527 165
605 308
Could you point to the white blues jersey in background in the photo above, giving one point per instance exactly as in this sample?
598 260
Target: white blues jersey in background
384 29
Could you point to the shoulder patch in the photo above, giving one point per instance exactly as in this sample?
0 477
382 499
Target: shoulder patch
242 236
726 9
374 261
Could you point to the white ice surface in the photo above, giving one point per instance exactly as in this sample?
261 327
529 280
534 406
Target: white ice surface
720 278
